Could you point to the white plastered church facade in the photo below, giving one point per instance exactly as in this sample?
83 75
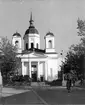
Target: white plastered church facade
39 64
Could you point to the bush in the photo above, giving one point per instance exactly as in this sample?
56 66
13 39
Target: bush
26 78
16 80
57 82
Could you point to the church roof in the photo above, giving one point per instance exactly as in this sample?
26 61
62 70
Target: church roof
31 30
17 34
50 33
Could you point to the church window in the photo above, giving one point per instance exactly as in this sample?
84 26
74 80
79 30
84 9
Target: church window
50 43
16 43
37 45
32 45
26 46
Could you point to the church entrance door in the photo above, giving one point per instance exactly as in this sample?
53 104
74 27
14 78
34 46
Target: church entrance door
34 73
34 76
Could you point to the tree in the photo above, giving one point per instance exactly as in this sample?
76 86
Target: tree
81 32
9 61
81 27
75 58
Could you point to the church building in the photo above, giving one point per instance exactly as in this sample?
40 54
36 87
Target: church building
39 64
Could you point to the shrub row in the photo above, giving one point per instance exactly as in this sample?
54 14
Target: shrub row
20 78
57 82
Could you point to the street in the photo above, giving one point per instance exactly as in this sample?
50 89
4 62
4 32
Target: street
22 98
46 96
60 96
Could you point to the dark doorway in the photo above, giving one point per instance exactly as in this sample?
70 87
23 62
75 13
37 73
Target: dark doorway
34 76
32 45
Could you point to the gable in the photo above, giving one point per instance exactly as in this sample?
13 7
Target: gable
34 55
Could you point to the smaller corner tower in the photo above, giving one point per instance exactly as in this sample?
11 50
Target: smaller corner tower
17 41
49 43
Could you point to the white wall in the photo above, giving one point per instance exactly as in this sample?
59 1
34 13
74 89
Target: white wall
53 68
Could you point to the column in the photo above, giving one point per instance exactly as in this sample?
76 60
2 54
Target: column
45 70
38 75
1 86
23 68
30 69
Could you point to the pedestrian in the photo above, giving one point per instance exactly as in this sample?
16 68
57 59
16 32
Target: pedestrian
68 84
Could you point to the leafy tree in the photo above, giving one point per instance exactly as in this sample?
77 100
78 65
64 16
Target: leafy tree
9 62
81 32
75 58
81 27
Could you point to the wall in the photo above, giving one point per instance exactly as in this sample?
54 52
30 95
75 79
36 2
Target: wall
53 68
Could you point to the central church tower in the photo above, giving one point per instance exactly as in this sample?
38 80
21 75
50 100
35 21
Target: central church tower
31 37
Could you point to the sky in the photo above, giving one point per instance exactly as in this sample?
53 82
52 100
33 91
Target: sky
58 16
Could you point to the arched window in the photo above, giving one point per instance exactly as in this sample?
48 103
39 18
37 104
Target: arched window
26 46
50 43
16 43
37 45
32 45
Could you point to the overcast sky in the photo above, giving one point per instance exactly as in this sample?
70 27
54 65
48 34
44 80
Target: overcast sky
57 16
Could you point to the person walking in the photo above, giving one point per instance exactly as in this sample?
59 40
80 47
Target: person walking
68 84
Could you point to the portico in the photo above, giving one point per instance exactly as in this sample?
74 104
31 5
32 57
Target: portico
36 69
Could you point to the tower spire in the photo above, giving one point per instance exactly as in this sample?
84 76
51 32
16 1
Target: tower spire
31 20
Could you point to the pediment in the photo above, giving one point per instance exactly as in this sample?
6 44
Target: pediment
34 55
